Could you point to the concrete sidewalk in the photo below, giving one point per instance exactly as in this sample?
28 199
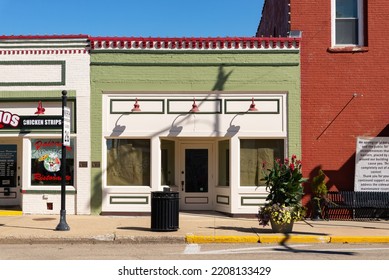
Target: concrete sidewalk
198 227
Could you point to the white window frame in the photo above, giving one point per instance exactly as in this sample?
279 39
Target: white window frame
361 25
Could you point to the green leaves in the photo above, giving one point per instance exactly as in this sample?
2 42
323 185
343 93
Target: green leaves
284 182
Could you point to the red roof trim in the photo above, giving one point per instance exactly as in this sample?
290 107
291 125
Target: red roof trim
32 37
209 39
192 43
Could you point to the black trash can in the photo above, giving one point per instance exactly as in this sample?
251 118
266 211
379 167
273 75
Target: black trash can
164 211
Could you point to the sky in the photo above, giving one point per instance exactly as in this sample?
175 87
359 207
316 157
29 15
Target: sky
127 18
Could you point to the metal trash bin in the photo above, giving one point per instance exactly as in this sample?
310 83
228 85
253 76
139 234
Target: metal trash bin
164 211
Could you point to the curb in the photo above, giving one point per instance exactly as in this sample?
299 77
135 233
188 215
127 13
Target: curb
10 213
191 239
279 239
360 239
221 239
109 238
294 239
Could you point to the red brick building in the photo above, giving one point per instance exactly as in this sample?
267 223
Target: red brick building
344 77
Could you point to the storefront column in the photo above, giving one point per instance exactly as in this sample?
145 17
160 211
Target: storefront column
155 158
234 173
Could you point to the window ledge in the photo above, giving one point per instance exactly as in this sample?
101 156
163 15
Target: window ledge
351 49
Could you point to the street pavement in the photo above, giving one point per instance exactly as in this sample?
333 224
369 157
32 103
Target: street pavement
194 227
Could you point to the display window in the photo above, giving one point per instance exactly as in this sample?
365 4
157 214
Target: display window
128 162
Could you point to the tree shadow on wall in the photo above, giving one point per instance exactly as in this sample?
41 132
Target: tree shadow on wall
221 80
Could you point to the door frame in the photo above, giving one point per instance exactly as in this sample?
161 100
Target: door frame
197 200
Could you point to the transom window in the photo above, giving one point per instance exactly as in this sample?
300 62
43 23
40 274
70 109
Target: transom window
347 22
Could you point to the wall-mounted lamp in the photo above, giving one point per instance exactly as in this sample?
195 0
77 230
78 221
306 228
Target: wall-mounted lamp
40 110
195 108
252 106
136 106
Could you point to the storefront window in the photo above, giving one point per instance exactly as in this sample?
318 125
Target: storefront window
128 162
255 152
167 162
224 163
46 160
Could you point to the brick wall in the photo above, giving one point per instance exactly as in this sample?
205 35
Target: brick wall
275 19
332 116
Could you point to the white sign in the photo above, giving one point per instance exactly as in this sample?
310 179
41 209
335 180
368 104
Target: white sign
372 164
66 127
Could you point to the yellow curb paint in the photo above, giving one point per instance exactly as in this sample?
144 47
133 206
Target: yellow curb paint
10 213
294 239
360 239
221 239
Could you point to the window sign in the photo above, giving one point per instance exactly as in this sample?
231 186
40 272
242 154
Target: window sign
46 155
8 165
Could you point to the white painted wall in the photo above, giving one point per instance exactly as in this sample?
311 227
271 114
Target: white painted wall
77 78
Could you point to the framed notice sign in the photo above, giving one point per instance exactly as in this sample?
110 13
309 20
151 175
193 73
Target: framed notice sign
66 127
372 164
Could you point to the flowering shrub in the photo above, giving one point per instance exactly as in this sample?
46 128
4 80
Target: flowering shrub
284 184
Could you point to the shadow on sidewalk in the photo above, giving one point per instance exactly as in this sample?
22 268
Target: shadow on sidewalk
51 229
135 228
289 248
361 225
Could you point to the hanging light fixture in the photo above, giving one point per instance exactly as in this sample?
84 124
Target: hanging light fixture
252 106
136 106
195 108
40 110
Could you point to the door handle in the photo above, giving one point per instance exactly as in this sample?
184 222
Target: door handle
182 185
18 181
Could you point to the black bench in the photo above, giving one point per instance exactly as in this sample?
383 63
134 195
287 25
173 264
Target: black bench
344 205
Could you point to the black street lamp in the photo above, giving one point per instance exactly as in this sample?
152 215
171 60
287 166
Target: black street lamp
63 226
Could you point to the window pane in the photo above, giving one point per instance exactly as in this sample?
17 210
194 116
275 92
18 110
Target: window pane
346 8
196 170
46 160
255 152
347 31
128 162
224 163
167 162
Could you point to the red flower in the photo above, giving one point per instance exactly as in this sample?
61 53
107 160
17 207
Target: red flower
291 166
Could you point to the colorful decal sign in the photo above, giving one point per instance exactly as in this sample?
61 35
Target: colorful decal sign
46 162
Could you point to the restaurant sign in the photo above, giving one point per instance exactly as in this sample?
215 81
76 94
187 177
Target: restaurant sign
14 121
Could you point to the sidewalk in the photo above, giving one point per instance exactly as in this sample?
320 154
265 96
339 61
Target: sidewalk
194 228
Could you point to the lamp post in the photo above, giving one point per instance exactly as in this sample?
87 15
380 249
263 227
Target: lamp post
63 226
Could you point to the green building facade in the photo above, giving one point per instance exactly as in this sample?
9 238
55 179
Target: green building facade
196 115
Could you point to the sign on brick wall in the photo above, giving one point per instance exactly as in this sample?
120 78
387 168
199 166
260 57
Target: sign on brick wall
372 164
